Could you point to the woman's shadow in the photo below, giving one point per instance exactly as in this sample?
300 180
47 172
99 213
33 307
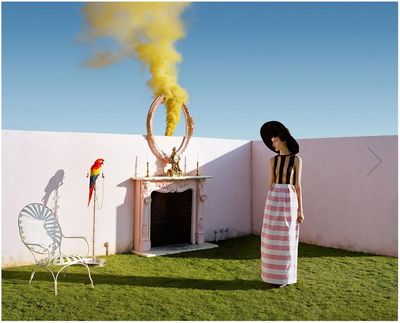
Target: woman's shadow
52 186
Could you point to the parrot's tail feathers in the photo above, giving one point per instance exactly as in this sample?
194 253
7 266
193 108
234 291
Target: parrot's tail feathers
90 194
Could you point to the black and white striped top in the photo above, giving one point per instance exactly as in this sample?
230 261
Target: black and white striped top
285 172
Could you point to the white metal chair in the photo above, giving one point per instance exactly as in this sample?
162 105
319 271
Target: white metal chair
41 233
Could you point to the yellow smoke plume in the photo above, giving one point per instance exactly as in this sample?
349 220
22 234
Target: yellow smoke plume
147 31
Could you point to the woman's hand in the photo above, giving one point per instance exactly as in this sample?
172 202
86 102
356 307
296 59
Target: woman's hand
300 216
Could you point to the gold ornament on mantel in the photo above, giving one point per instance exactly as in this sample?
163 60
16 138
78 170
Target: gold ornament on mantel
175 170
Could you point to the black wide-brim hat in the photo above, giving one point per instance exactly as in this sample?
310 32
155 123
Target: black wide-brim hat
271 129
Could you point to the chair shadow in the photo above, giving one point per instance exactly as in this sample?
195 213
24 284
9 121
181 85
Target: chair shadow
158 282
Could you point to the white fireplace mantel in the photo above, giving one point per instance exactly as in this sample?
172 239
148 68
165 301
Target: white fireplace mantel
144 186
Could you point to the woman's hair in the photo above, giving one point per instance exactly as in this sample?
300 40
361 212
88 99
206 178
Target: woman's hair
281 134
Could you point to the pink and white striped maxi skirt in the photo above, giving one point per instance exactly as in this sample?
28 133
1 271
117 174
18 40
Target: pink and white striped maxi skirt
280 236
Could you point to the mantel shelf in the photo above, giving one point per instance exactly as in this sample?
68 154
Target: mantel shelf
169 179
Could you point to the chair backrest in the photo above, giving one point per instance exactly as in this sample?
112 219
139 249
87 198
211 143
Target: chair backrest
39 226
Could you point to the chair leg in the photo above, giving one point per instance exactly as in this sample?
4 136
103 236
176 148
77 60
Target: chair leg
90 276
55 280
33 274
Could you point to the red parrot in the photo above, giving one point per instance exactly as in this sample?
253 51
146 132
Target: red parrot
94 173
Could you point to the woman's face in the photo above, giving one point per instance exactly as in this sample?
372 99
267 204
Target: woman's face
278 144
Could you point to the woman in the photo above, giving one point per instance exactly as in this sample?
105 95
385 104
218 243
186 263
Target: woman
283 208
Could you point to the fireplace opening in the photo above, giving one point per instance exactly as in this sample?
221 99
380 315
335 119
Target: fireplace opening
171 215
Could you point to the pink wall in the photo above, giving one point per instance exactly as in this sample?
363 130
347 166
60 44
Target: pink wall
30 160
345 206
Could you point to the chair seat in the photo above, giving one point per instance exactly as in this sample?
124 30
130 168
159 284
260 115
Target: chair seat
62 261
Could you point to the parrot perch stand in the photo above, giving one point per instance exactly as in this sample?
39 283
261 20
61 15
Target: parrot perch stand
93 261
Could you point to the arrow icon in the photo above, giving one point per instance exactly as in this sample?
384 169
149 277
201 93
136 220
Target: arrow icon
380 161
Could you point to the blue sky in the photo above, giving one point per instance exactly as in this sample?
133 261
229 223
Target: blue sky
323 69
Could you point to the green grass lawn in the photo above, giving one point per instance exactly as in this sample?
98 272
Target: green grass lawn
217 284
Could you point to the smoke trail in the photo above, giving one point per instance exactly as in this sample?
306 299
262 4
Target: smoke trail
148 32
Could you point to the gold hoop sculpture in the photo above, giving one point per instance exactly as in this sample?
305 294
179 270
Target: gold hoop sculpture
150 138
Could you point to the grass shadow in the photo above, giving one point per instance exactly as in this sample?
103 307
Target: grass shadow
142 281
314 251
227 249
249 248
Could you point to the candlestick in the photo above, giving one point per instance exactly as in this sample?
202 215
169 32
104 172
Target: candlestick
185 165
147 171
136 166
